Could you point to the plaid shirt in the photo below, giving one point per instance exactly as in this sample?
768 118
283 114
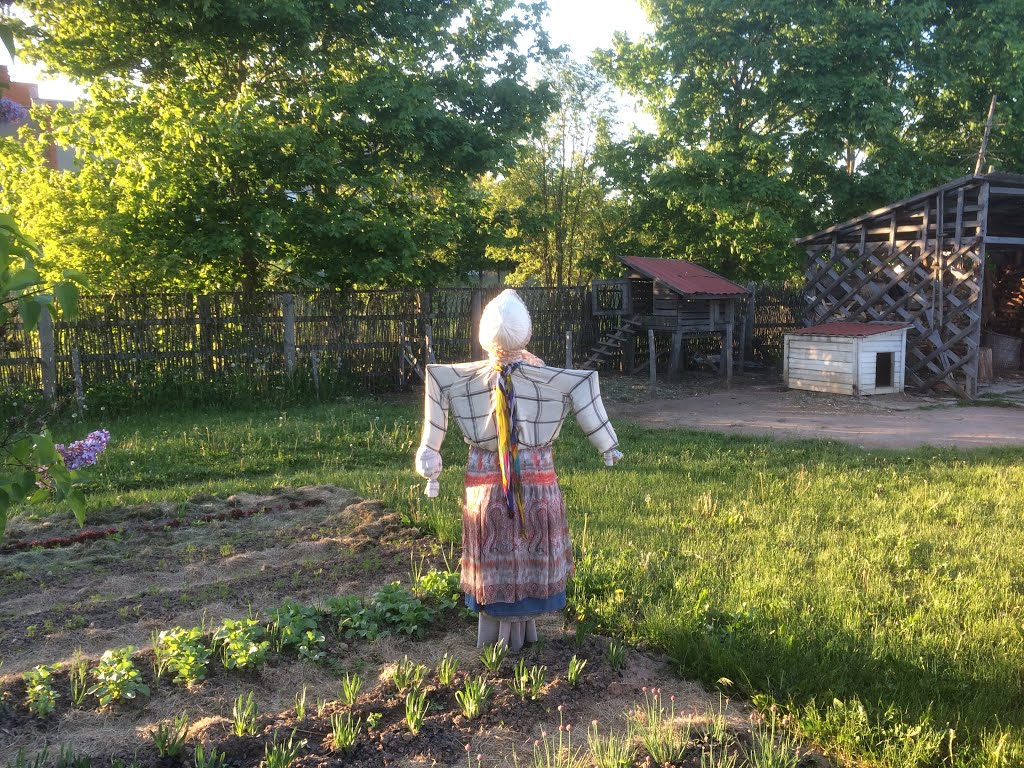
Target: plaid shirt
544 397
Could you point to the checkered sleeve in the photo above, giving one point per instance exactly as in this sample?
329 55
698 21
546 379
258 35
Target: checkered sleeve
591 415
435 426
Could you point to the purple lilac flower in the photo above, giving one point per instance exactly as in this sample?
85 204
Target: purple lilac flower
83 453
12 111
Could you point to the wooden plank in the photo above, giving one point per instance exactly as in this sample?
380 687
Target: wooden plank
652 356
47 352
820 386
992 240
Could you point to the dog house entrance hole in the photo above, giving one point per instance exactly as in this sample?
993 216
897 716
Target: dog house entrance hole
883 369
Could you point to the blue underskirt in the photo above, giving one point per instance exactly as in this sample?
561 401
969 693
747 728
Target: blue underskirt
528 606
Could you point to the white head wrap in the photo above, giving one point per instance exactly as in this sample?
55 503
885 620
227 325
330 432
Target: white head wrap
505 324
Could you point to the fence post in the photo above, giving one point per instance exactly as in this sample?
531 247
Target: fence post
288 317
48 355
427 318
475 312
76 367
568 349
205 336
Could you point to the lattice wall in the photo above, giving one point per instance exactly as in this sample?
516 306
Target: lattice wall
919 262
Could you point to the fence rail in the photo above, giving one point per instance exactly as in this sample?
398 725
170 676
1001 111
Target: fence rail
371 339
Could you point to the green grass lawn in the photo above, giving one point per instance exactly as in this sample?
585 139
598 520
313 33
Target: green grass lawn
877 594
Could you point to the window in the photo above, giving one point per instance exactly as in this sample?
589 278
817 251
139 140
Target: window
883 369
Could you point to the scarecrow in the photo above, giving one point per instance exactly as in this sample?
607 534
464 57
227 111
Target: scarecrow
516 552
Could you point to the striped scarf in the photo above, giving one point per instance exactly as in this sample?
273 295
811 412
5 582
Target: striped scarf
508 441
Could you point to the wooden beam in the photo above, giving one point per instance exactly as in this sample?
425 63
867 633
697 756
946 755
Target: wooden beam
652 361
992 240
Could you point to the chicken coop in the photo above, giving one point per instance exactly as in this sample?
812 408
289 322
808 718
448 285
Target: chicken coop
948 263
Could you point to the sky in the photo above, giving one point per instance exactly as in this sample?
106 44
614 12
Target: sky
581 25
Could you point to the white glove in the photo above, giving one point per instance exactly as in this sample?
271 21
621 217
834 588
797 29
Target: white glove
611 457
432 489
428 465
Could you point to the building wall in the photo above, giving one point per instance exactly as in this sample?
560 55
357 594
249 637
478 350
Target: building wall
820 363
868 349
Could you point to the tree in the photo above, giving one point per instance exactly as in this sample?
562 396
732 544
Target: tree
552 208
777 117
233 142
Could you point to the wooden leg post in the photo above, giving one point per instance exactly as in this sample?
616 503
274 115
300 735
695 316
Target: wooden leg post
652 361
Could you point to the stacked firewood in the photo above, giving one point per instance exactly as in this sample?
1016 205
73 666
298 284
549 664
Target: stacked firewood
1007 314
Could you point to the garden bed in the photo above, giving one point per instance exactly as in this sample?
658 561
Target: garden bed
322 556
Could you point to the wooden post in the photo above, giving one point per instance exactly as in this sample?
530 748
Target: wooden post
48 355
750 324
629 354
401 353
288 317
727 354
476 310
984 141
76 368
205 336
314 360
652 362
677 351
427 319
428 335
568 349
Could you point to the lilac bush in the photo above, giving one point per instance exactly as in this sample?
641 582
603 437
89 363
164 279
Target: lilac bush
12 111
84 453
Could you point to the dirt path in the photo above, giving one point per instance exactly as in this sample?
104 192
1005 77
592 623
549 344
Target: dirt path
897 421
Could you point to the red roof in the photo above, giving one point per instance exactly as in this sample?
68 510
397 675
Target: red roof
849 329
684 277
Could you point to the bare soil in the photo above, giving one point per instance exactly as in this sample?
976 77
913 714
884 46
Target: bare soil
763 406
307 544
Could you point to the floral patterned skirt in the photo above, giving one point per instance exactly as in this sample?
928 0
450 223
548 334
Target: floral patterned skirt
504 561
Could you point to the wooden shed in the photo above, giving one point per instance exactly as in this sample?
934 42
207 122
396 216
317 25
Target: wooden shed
847 358
948 262
666 296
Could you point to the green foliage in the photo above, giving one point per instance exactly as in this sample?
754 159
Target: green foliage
351 684
213 759
408 674
169 738
281 754
242 643
68 758
244 714
611 751
355 619
772 747
397 609
325 142
551 211
78 673
473 696
446 669
442 587
40 694
415 709
294 626
31 469
40 760
656 728
345 731
300 704
616 653
493 655
575 671
779 118
519 683
183 652
117 678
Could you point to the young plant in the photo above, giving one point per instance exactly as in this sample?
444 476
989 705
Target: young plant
408 675
242 644
321 707
373 719
520 682
446 670
294 626
214 759
768 751
169 739
21 759
399 611
344 731
40 694
117 677
493 656
300 704
415 709
243 715
183 652
79 674
536 677
575 672
473 696
355 619
558 752
282 754
610 751
616 654
710 758
716 723
664 742
350 687
443 587
68 758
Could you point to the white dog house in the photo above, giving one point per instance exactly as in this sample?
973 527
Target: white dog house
847 358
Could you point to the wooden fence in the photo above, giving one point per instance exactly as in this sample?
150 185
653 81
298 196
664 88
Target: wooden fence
373 339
